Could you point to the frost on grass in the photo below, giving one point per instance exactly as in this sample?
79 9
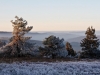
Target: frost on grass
45 68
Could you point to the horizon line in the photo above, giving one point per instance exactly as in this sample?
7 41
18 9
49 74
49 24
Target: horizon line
53 31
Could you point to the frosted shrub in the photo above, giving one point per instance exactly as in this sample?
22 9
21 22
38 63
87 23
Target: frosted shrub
53 47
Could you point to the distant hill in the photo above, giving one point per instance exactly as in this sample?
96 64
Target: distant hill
78 39
37 37
42 36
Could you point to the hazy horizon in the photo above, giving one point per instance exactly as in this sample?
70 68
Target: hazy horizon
53 31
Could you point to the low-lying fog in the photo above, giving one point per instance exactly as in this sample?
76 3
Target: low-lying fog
74 37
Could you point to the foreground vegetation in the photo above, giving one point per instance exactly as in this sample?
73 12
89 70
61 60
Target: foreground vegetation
50 68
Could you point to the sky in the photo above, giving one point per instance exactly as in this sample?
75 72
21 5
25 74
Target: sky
51 15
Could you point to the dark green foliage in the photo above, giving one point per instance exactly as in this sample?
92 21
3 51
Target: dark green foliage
53 41
2 43
52 46
90 44
47 51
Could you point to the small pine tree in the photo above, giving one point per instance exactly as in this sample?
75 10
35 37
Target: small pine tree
70 49
90 43
52 45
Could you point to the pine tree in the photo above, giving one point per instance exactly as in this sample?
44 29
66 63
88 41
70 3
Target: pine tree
70 49
17 45
52 45
90 43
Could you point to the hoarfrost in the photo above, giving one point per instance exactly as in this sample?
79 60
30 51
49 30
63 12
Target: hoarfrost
45 68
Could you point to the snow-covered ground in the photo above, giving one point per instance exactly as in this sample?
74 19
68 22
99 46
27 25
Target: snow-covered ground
45 68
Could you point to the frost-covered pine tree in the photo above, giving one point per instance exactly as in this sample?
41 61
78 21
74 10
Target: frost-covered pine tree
70 49
90 44
17 45
52 46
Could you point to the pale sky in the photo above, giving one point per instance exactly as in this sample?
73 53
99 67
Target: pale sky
51 15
